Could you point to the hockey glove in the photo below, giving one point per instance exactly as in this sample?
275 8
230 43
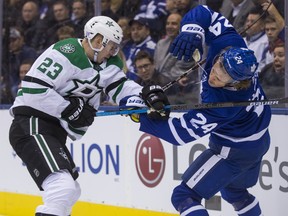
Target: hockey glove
130 103
189 43
156 100
78 114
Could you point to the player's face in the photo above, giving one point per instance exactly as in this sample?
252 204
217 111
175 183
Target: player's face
109 50
218 76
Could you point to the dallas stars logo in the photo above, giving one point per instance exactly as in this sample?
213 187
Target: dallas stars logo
85 88
109 23
67 48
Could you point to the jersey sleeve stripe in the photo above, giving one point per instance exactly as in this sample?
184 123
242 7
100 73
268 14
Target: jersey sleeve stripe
36 80
253 137
174 132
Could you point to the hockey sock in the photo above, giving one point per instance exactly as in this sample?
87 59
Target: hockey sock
250 207
192 208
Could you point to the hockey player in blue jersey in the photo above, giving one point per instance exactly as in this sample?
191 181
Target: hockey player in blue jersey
239 136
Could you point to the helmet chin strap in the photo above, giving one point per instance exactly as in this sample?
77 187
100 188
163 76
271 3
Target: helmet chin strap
96 51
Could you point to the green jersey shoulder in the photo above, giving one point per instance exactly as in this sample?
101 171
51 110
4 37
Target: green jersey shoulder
74 52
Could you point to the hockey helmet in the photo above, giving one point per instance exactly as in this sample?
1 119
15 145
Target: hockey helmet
240 63
105 26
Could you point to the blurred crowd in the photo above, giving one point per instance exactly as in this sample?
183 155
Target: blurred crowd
149 27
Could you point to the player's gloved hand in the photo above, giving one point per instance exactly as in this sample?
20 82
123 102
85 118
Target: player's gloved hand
78 114
189 43
156 100
130 103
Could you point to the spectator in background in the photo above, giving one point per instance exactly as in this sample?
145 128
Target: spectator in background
272 76
80 17
46 11
46 19
236 12
116 6
127 42
183 6
11 11
129 8
256 39
272 31
123 22
141 40
46 31
18 52
147 75
215 5
274 28
170 68
171 6
106 10
154 12
62 18
5 90
28 20
65 32
24 68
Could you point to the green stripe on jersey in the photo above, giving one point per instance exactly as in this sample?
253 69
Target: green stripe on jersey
115 60
119 88
33 90
20 92
77 131
74 52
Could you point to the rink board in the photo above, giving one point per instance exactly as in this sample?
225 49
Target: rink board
125 172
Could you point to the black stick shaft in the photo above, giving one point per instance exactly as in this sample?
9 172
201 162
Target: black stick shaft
185 107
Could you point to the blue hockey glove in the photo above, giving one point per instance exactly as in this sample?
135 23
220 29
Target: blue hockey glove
156 100
189 43
78 114
130 103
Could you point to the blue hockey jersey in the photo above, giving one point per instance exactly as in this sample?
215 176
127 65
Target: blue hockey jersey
239 127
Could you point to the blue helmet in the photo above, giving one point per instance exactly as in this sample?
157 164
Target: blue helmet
240 63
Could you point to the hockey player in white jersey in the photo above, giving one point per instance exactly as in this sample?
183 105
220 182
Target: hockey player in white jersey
239 136
59 96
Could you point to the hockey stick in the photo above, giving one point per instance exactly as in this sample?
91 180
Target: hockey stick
185 107
196 66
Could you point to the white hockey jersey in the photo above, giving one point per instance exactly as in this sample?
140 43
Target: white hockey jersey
64 70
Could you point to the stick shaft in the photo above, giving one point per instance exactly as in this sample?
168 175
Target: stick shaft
196 66
185 107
